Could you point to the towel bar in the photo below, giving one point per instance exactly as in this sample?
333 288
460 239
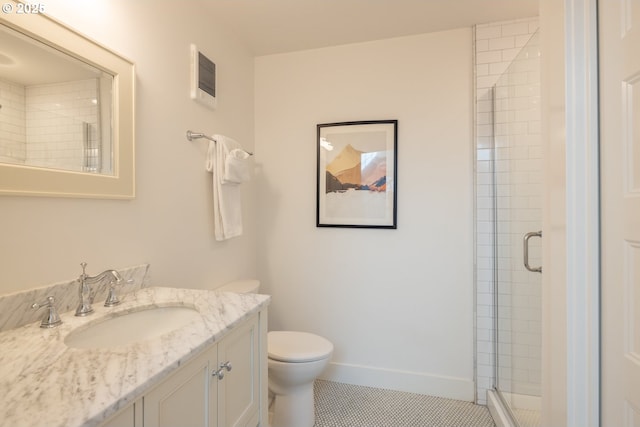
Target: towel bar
197 135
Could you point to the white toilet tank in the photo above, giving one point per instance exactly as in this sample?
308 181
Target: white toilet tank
249 286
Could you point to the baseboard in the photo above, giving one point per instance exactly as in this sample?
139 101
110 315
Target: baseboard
412 382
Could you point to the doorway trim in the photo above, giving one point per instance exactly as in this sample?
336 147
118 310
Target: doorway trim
583 214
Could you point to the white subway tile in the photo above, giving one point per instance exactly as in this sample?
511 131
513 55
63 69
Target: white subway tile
482 70
488 57
498 68
484 141
517 28
482 45
488 32
521 40
534 25
486 81
502 43
508 54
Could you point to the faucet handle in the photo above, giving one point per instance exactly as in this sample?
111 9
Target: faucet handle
51 319
112 297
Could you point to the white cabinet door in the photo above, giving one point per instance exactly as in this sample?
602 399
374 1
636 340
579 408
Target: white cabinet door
219 388
124 418
185 398
239 391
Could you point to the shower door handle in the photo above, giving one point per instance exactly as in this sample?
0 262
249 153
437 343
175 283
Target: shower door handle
525 245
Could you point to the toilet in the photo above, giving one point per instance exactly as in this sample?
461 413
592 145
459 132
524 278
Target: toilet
295 360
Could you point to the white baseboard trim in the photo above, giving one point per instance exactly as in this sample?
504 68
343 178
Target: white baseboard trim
412 382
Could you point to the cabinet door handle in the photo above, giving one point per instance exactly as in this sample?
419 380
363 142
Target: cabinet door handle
525 245
218 373
221 369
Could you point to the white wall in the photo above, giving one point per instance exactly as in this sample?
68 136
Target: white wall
169 224
397 304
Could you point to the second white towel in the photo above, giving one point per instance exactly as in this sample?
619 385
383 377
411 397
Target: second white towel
237 167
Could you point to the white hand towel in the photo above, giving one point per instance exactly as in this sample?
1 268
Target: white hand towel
227 209
237 167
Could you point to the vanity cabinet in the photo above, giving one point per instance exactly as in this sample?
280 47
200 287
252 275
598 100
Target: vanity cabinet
186 398
220 387
128 417
238 391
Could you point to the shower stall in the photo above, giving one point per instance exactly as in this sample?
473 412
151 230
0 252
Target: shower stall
516 184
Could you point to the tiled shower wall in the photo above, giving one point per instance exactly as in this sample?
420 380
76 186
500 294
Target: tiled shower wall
518 172
12 123
56 115
496 46
43 124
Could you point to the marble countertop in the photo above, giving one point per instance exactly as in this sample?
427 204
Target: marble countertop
45 383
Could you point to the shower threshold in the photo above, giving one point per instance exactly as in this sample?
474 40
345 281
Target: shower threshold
525 408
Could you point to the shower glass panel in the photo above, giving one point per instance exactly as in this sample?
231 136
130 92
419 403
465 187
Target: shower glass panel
517 170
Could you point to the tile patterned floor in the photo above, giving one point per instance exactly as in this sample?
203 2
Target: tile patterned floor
345 405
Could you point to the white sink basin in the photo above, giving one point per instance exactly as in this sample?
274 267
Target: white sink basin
131 327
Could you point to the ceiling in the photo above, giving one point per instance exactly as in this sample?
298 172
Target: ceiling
278 26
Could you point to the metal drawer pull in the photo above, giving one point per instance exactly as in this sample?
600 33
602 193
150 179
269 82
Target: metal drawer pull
525 246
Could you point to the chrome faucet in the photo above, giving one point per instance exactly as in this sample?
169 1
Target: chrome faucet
84 289
51 319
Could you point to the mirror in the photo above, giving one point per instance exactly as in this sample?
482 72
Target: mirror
58 116
66 112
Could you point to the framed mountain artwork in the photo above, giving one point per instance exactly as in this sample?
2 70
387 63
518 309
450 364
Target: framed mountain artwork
357 174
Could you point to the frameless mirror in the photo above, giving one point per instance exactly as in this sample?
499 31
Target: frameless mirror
66 112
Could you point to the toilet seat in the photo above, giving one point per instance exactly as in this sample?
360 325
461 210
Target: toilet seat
297 347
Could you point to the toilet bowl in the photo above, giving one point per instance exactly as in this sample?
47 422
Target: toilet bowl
295 360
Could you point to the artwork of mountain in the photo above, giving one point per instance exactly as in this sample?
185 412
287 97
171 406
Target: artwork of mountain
346 166
347 171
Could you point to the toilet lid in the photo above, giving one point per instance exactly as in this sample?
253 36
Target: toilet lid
289 346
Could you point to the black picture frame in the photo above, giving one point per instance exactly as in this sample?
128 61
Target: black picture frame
357 174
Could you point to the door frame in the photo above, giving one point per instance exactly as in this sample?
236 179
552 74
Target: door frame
583 213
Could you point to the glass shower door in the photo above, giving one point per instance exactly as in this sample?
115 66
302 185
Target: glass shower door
518 184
